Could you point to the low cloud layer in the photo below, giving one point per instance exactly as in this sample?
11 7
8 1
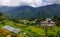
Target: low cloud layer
33 3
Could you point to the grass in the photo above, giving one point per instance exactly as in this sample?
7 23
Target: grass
31 31
37 30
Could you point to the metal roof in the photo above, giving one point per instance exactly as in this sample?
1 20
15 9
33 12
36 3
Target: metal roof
12 29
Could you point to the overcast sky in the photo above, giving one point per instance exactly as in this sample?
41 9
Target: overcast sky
33 3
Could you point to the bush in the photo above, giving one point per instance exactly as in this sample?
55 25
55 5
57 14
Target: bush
58 34
52 34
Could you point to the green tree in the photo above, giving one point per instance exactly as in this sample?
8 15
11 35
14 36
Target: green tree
56 19
1 14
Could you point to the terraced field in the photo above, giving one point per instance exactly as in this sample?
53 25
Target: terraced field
32 31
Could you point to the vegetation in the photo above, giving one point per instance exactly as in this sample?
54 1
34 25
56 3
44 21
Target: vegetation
29 27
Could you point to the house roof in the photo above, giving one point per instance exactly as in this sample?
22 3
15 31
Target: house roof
12 29
52 22
48 19
46 22
43 22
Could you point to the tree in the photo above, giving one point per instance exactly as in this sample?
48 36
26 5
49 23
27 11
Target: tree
56 19
1 14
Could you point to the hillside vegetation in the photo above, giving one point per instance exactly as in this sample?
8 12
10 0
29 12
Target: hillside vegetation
29 27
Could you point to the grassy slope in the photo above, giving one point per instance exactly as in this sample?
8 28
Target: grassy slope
31 30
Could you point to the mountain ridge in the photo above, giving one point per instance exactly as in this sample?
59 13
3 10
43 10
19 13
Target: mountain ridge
27 12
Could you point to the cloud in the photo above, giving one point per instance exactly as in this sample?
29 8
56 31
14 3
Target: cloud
33 3
54 1
58 1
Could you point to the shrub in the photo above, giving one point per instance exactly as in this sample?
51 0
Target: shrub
58 34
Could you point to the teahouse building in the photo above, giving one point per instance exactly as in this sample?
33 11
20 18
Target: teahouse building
47 22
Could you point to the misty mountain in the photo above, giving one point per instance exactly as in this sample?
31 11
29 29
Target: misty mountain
27 12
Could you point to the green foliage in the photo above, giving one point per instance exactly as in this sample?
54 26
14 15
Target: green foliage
58 34
57 20
52 33
29 27
1 14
